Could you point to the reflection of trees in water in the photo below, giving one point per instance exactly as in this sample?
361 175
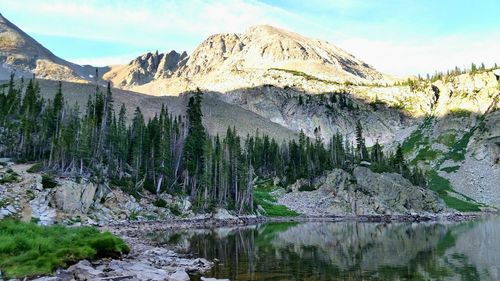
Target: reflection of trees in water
342 251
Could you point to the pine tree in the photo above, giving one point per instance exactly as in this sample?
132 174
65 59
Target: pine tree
194 144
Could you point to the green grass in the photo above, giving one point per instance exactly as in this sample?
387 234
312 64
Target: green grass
305 75
268 202
416 138
447 139
443 186
27 249
459 112
426 154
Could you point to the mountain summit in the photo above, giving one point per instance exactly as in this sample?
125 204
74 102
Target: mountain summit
263 47
22 54
229 61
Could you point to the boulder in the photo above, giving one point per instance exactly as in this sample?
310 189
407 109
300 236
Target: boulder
186 205
83 270
138 269
222 214
73 197
179 275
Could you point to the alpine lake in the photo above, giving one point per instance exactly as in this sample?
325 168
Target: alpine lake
467 250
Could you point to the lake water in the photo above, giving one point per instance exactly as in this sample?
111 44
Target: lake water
347 250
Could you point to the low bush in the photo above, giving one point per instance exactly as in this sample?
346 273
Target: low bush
36 168
160 203
27 249
48 181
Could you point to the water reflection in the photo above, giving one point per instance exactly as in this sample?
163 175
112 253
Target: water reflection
348 250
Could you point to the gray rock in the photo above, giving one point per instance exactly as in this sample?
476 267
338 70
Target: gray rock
83 270
212 279
179 275
74 197
186 205
222 214
40 209
396 192
138 269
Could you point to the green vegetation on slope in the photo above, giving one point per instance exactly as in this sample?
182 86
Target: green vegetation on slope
443 187
262 197
417 137
27 249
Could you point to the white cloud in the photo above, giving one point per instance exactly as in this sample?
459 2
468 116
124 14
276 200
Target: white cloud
441 54
181 25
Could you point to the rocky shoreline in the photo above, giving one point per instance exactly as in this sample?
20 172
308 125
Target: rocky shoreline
148 261
210 222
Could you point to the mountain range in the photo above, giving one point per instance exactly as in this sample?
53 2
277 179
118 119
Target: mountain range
282 83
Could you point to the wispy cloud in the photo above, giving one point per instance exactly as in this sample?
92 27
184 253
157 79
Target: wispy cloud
399 37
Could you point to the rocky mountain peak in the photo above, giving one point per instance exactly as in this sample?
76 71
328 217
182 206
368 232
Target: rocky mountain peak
145 68
265 47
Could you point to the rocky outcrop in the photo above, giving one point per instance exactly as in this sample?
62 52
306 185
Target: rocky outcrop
396 193
363 193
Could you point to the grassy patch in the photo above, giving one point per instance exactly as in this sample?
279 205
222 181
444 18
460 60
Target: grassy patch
447 139
305 75
27 249
426 154
416 138
442 186
268 202
459 112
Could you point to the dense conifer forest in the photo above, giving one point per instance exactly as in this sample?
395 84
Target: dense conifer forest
169 153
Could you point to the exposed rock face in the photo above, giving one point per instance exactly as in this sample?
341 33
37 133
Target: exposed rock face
22 54
145 68
339 193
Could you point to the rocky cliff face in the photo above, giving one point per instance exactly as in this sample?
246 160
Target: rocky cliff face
362 193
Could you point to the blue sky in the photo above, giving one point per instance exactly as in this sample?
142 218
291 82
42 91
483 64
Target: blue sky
397 37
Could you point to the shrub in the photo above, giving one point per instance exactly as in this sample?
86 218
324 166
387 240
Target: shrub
9 178
306 187
36 168
48 181
27 249
160 203
175 210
